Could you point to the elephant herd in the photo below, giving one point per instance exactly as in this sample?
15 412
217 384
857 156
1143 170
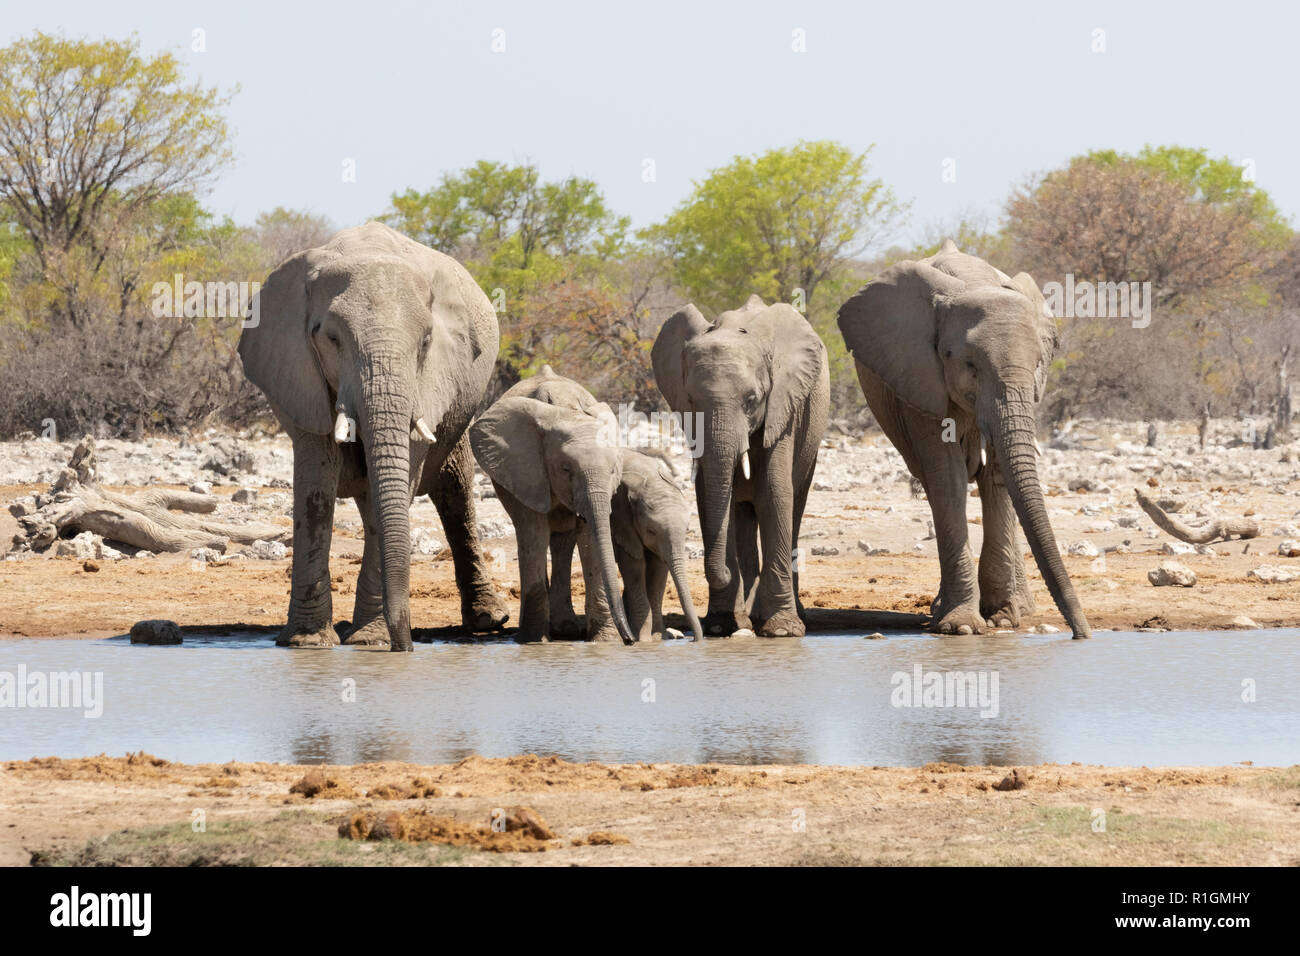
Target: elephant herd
375 353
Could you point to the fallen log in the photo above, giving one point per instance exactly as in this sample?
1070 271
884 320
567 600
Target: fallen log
155 519
1219 529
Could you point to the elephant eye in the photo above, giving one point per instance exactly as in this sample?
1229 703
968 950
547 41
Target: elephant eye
427 340
332 337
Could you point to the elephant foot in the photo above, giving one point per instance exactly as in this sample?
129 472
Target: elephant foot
605 633
294 635
782 624
487 612
964 619
566 627
531 634
371 634
723 623
1002 617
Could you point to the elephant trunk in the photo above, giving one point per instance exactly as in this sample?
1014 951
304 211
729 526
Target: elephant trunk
722 454
602 542
677 568
385 422
1011 428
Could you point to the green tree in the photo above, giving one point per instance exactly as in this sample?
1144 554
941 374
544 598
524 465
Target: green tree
93 136
785 220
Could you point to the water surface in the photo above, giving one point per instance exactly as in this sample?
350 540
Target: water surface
1120 699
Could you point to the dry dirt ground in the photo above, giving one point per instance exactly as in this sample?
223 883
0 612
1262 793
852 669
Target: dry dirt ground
90 811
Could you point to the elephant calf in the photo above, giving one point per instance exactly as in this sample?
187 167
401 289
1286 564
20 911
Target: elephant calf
650 519
952 355
550 466
758 376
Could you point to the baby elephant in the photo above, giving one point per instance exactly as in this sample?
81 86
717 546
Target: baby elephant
551 463
649 523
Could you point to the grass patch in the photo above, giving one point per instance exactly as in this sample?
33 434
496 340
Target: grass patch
291 838
1286 779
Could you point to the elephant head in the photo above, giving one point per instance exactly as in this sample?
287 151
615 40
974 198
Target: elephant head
546 455
374 338
660 515
747 373
953 337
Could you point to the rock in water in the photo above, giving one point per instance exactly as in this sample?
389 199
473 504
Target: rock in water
155 632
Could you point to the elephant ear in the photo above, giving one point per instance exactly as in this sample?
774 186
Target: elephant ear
507 442
277 352
666 355
890 327
464 334
1049 335
797 365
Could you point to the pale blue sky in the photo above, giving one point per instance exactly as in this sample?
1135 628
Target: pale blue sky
412 89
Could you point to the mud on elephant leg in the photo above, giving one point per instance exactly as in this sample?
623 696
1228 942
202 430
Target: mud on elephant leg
368 624
564 538
315 483
481 606
1000 557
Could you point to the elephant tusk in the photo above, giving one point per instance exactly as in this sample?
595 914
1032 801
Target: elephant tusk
425 431
695 470
744 465
984 452
342 427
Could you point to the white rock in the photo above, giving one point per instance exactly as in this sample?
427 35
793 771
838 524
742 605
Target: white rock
206 555
1046 629
1243 623
201 488
424 542
1085 549
825 550
1177 547
1172 573
266 550
1272 574
1289 549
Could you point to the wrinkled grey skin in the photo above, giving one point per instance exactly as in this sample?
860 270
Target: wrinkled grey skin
567 529
952 338
545 459
386 332
650 520
760 379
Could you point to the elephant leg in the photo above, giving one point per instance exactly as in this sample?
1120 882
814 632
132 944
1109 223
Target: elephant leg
315 483
564 622
727 613
368 624
532 532
481 606
747 549
600 622
636 600
1002 566
800 501
656 582
774 606
956 609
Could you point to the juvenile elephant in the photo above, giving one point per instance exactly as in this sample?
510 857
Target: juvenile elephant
650 519
567 530
374 352
952 355
758 377
546 460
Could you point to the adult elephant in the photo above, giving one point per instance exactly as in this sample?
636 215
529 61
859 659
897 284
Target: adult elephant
550 462
374 352
952 355
758 378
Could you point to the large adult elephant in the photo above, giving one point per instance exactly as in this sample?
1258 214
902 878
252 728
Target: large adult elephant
952 355
374 352
758 378
548 461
